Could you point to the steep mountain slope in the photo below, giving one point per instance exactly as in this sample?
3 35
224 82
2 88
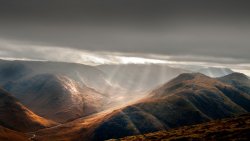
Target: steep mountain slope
215 72
236 128
186 100
140 76
56 97
10 135
15 116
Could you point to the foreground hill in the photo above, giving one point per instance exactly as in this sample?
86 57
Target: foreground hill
11 135
237 128
56 97
14 115
186 100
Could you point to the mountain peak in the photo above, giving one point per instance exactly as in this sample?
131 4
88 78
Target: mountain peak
193 75
188 76
190 81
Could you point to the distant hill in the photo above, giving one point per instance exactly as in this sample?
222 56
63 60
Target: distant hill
56 97
84 74
236 128
215 72
15 116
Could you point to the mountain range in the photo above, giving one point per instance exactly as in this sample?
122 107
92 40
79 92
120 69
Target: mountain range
186 100
18 70
64 101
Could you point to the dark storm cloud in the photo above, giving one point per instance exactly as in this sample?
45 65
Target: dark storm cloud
120 9
173 27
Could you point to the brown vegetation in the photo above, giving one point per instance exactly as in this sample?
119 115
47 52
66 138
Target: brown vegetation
237 128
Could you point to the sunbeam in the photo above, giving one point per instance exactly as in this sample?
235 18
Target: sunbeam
143 78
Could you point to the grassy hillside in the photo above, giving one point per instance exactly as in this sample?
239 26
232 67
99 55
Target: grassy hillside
237 128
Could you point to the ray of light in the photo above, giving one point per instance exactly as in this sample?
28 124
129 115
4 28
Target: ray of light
209 72
131 86
163 74
110 76
143 77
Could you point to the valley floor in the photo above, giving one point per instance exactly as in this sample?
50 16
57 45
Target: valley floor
237 128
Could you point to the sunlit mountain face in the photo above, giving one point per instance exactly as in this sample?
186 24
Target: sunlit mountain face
95 70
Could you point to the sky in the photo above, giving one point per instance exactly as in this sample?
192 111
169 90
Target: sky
202 32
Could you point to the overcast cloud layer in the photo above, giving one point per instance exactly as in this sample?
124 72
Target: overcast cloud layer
173 30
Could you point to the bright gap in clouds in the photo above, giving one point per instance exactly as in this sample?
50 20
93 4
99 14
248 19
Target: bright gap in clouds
95 58
138 60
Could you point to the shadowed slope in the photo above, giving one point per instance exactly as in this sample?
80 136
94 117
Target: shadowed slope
238 80
17 117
